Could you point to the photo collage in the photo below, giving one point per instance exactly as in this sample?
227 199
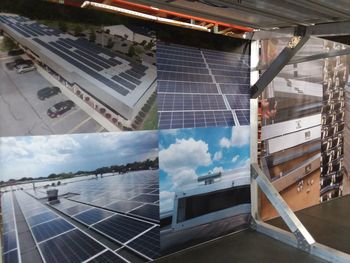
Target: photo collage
115 136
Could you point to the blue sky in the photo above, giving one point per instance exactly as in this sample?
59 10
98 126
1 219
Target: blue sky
41 155
186 154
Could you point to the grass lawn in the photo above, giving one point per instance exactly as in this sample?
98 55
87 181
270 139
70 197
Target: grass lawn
151 121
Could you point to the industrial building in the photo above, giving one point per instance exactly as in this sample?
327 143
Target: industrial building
109 81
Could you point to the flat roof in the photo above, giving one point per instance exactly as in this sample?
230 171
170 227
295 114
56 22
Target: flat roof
118 75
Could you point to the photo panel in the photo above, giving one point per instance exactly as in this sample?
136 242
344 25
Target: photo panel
72 70
204 184
80 198
302 119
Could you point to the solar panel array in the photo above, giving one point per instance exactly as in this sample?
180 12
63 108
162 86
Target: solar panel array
10 242
118 72
57 239
121 207
201 88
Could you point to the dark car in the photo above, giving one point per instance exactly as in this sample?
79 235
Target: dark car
20 62
48 92
15 52
60 108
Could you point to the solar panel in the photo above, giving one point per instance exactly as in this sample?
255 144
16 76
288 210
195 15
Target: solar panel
92 216
92 58
192 84
9 241
186 87
82 67
238 102
73 246
243 116
121 228
235 89
123 206
76 209
40 218
180 102
51 229
147 211
123 82
11 256
146 198
130 78
148 243
107 257
172 120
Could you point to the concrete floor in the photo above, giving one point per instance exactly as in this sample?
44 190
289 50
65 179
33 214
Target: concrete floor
246 247
328 223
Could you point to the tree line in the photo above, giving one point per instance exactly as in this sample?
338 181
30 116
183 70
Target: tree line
118 169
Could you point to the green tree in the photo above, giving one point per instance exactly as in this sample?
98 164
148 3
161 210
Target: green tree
62 26
92 37
78 30
8 43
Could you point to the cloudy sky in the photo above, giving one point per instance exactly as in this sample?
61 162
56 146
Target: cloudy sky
186 154
42 155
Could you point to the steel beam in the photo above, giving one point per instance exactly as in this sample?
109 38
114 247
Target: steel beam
305 240
301 36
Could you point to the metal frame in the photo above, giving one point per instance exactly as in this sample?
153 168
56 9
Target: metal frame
299 237
301 36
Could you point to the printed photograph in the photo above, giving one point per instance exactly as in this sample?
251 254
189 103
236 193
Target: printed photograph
68 70
80 198
204 84
204 184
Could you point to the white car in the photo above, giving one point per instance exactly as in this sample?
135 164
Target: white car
25 68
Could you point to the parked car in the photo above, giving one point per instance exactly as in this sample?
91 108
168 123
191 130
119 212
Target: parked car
20 62
15 52
48 92
25 68
60 108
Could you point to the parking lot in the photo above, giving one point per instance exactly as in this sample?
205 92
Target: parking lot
22 113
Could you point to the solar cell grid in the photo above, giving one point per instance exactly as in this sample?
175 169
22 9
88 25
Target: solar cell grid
220 72
11 257
121 228
73 246
238 101
175 76
182 57
40 218
123 206
243 116
232 80
50 229
194 70
235 89
124 82
146 198
239 68
76 209
184 53
147 211
9 241
180 102
148 243
130 78
107 257
92 216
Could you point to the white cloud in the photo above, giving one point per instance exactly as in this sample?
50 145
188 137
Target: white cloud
219 169
181 159
235 158
217 156
166 201
240 137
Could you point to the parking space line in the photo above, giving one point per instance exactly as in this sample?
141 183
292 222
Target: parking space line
62 117
79 125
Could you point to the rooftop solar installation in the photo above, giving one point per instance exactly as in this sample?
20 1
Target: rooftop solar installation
201 88
104 205
122 77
